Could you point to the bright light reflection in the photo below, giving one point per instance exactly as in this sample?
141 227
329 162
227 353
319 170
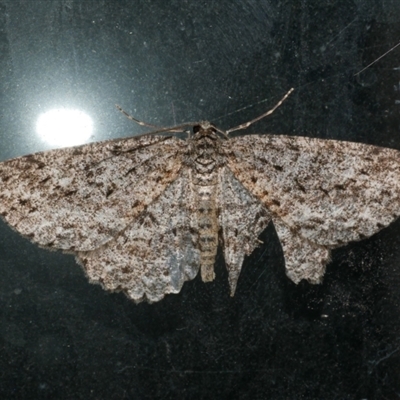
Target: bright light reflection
64 127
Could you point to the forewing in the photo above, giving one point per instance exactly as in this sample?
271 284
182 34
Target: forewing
328 191
78 198
155 254
242 218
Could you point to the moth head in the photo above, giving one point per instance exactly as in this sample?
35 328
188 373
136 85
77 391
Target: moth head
207 128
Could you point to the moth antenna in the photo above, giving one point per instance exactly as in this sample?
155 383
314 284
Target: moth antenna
223 133
158 129
141 123
247 124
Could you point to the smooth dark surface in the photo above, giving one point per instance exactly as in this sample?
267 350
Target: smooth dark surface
168 62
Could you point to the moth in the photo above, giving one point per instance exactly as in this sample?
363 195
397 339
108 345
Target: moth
144 214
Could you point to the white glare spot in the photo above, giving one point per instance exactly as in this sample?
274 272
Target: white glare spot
63 127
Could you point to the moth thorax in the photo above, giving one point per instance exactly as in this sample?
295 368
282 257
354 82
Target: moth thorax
204 150
205 162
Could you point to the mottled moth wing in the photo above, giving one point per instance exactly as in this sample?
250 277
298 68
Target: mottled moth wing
156 253
143 214
77 199
321 193
242 218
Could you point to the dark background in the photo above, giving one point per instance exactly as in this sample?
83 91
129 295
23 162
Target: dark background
168 62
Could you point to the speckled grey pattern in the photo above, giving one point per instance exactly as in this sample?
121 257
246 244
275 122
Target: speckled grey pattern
322 194
145 214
